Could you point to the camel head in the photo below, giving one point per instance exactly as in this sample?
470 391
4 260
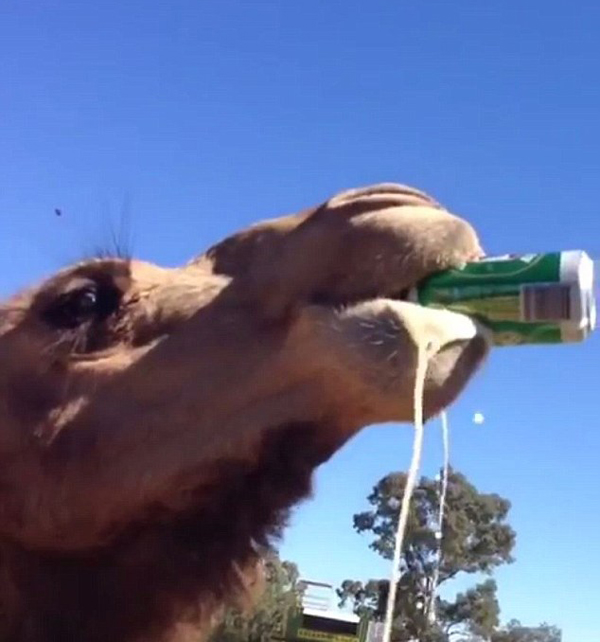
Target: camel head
156 424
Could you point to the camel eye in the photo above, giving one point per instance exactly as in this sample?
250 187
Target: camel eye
85 303
90 303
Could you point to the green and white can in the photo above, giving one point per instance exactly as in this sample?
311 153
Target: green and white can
529 299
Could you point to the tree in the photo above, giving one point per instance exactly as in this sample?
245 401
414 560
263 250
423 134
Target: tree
515 632
476 538
476 611
282 592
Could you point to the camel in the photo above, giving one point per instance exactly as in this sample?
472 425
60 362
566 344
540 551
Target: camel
158 424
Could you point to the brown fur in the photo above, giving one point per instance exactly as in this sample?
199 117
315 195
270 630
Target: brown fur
154 440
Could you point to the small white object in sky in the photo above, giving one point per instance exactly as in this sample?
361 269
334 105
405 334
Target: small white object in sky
478 418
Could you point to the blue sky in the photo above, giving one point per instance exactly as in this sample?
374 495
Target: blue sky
200 117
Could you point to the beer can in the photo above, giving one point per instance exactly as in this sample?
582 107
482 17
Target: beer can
523 299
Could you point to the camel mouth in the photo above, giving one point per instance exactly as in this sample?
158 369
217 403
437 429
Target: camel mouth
437 331
326 299
384 338
453 330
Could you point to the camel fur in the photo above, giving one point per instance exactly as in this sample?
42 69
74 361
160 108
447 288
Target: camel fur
156 425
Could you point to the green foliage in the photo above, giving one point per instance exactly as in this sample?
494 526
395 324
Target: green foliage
515 632
476 539
476 535
281 593
472 615
476 611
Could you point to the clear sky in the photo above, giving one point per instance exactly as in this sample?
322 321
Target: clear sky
200 117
